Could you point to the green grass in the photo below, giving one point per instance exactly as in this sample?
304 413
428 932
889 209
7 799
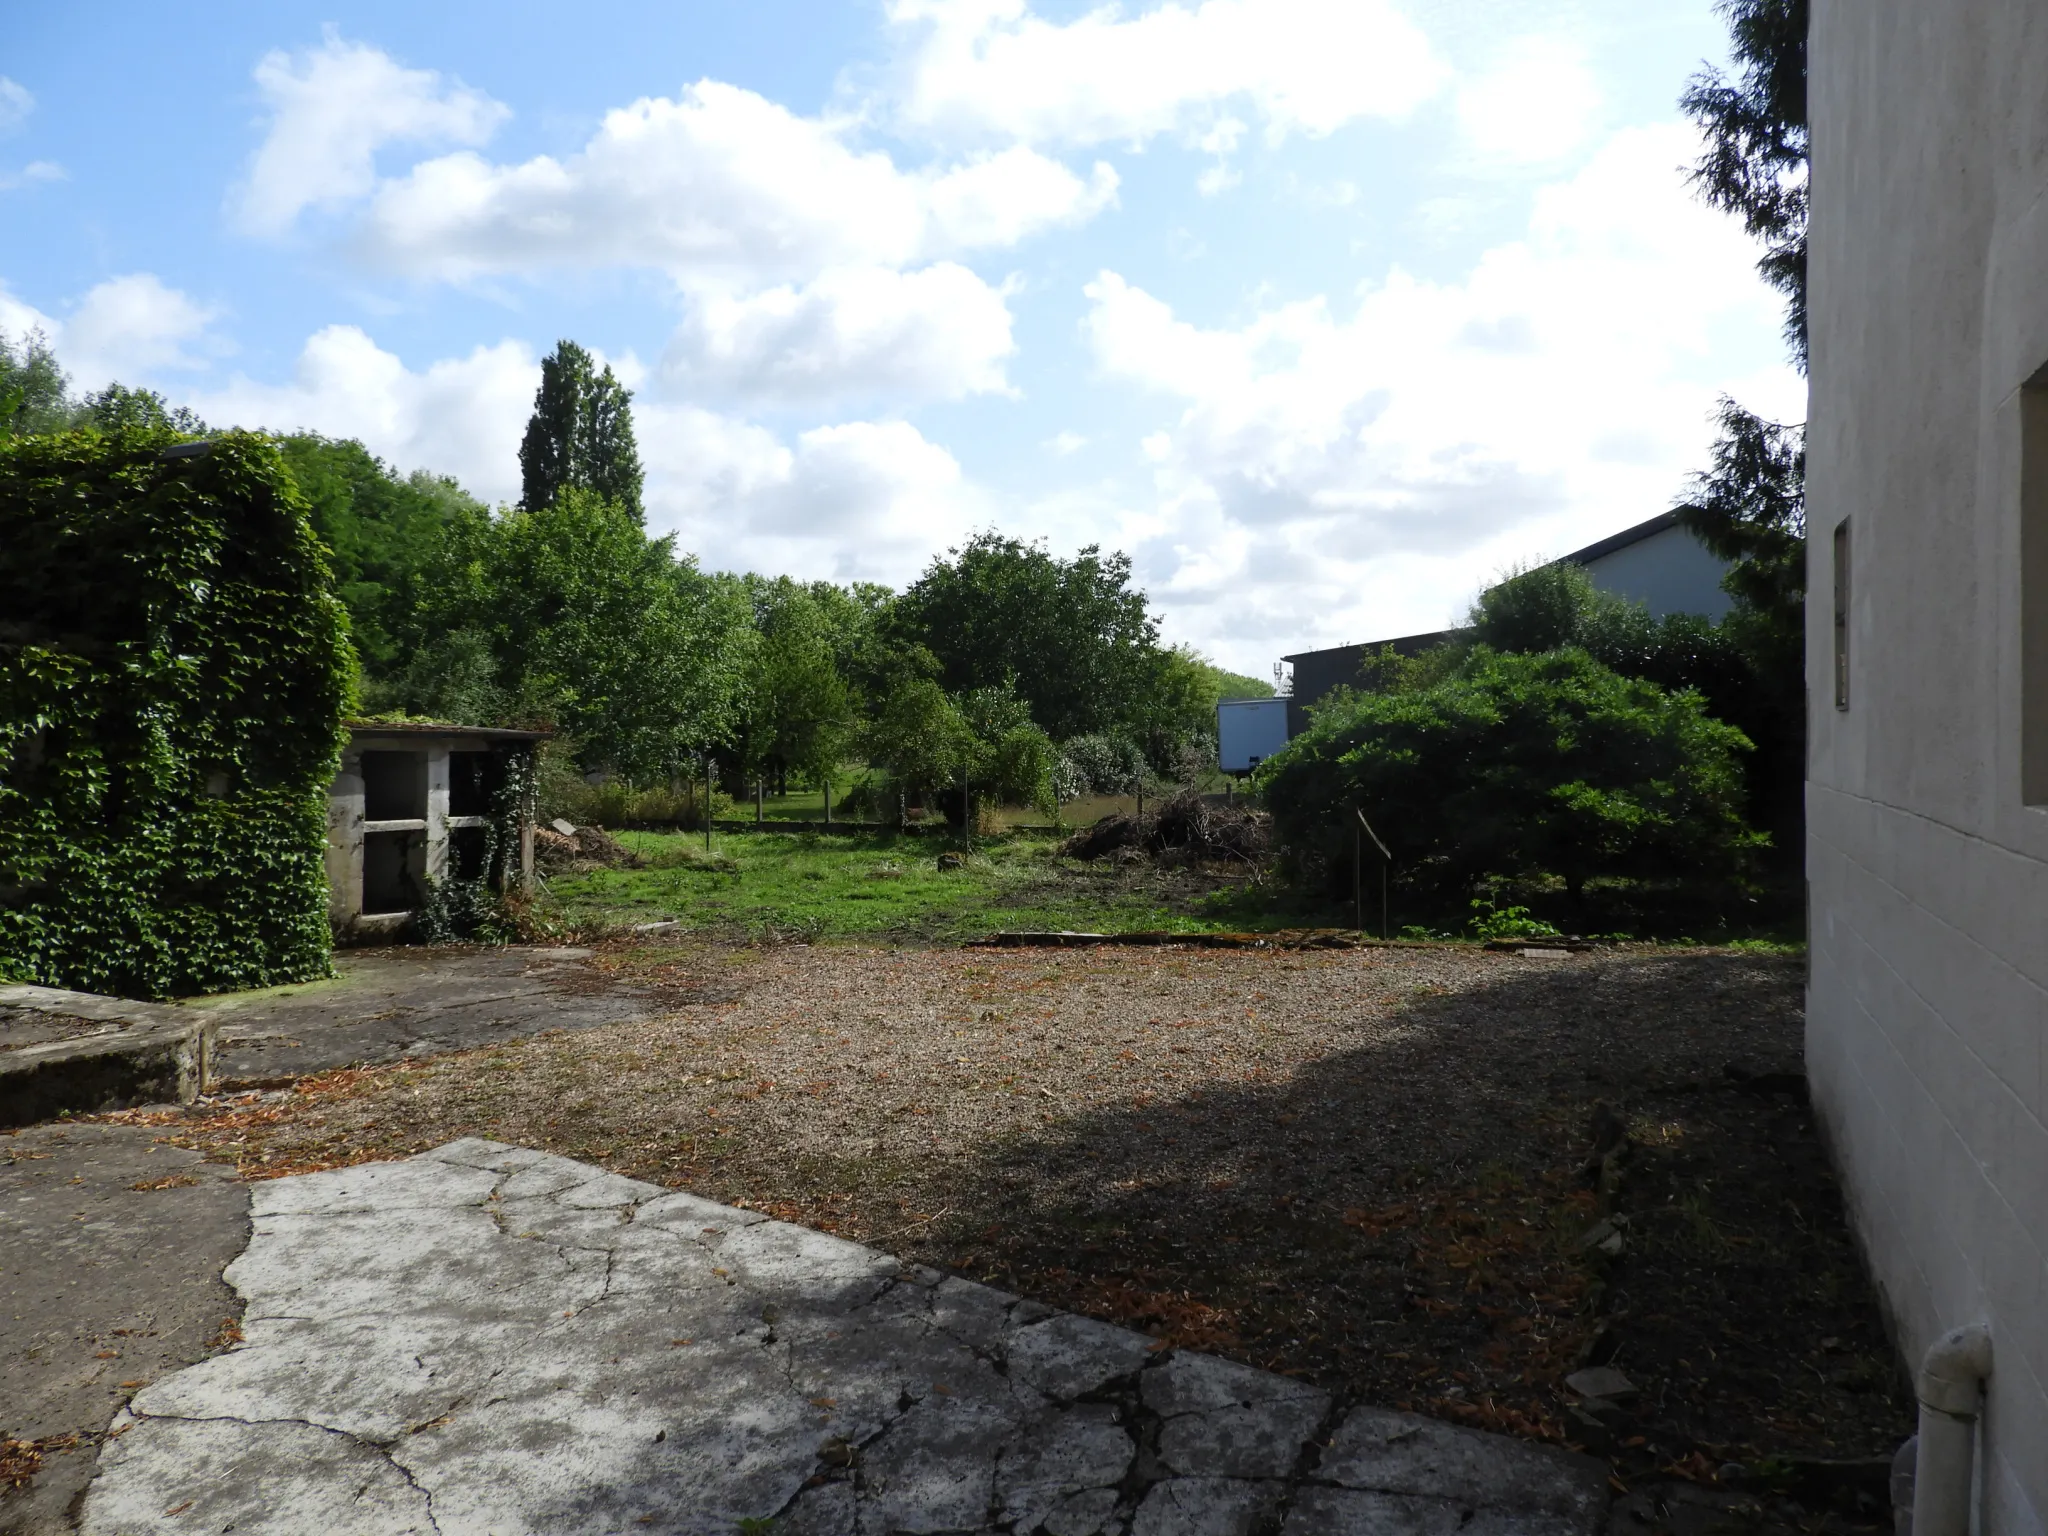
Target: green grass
843 885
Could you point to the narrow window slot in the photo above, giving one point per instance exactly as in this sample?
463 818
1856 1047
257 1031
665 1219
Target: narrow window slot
1842 614
2033 508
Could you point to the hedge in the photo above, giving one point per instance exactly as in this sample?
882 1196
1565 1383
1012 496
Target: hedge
173 677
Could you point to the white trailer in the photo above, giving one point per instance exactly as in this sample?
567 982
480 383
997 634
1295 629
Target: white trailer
1248 731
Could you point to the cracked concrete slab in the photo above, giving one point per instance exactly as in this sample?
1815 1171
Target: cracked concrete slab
486 1339
111 1250
382 1005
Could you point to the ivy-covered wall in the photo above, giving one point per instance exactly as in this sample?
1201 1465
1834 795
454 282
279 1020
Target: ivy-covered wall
173 677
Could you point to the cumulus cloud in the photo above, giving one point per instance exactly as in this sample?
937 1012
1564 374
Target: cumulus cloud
134 327
993 68
866 500
720 186
18 318
938 333
331 109
128 328
461 416
1536 103
15 104
859 500
1372 463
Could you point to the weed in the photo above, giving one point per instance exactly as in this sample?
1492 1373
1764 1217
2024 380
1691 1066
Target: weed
1491 922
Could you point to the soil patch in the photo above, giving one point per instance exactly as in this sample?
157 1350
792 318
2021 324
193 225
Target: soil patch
1366 1168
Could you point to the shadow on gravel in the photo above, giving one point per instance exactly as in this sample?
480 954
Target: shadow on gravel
1405 1224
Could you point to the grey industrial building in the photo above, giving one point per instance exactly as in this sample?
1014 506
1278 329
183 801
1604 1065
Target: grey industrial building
1658 563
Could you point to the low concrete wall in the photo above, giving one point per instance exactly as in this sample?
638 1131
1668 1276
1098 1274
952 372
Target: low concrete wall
148 1053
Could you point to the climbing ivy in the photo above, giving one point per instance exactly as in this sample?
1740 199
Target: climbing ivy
492 906
173 677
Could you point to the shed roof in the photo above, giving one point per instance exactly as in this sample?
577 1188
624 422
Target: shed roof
438 728
1404 645
1614 541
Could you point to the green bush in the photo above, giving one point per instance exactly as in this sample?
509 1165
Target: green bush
173 677
1516 766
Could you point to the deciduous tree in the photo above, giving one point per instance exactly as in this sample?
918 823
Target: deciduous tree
1071 637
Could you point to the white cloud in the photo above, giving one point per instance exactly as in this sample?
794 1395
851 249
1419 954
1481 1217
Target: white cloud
18 317
15 104
994 68
461 416
936 333
133 327
127 328
1066 444
331 109
861 500
1345 472
722 187
1537 103
35 170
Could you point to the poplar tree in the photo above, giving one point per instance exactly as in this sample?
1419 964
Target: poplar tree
580 435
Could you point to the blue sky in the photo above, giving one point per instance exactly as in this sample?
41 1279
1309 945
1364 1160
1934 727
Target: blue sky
1325 310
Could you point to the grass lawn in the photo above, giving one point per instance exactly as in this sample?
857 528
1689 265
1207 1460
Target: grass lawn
849 885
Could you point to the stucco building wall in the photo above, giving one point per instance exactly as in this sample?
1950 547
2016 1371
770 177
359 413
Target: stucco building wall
1928 1003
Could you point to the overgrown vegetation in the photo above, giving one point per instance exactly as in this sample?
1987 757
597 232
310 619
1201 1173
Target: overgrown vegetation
853 885
173 673
1517 766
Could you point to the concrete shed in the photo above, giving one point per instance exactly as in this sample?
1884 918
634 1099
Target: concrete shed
412 806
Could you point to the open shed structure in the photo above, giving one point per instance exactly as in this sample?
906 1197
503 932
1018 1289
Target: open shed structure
415 805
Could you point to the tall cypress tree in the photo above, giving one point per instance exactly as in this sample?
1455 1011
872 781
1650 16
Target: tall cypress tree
580 434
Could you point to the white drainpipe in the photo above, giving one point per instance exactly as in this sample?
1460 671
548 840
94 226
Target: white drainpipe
1951 1390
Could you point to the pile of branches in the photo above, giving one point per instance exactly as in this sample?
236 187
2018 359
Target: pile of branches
1186 829
580 851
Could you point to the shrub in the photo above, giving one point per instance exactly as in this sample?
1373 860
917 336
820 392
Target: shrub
1102 765
173 677
1516 766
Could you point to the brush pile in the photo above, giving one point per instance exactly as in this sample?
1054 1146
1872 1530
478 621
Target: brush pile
1187 829
580 850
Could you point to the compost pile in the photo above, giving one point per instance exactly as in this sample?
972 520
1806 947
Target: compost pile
580 850
1187 829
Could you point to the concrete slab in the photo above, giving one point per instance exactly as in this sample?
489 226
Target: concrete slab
487 1339
382 1005
80 1053
111 1251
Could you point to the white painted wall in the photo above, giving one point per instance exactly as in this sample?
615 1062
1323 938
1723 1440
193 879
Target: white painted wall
1670 572
1928 1003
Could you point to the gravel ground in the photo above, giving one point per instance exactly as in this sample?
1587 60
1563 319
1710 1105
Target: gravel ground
1362 1167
